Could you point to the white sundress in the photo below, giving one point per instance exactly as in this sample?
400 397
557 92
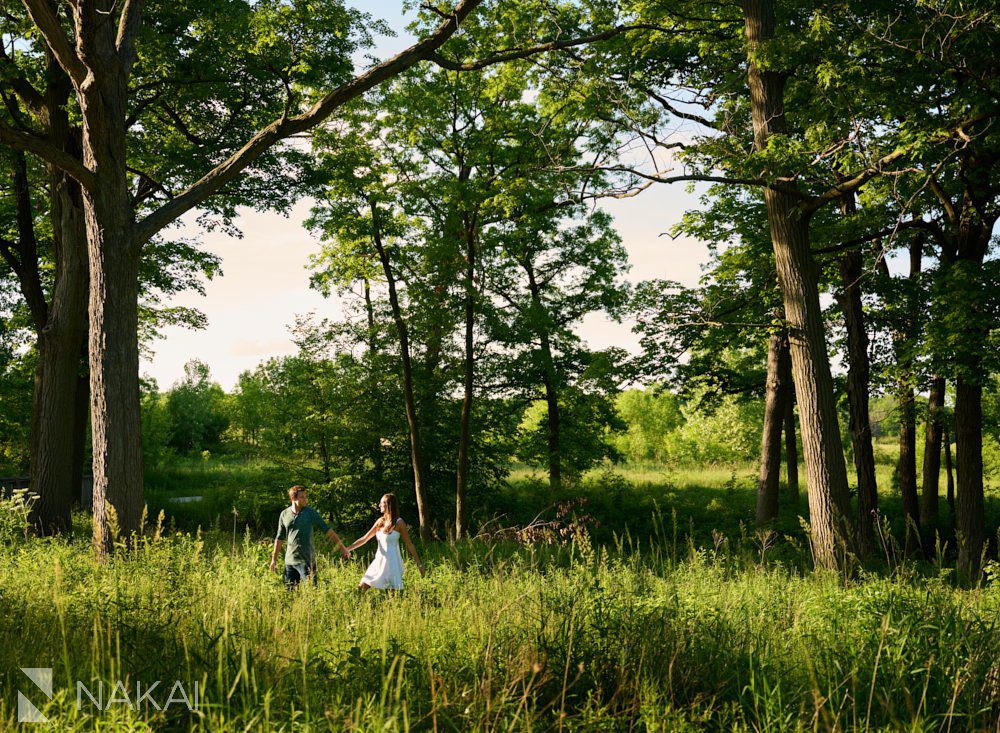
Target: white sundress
386 570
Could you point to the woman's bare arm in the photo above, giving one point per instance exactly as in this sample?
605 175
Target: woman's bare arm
405 532
362 540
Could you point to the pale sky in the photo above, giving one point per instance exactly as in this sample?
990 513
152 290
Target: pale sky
265 282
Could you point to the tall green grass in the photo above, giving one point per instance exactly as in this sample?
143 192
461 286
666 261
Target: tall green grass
652 633
665 611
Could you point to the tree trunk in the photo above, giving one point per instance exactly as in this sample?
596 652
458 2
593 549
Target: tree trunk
61 329
791 446
950 476
464 427
58 435
377 459
776 394
851 272
829 500
81 421
906 465
974 330
114 290
324 455
553 418
56 441
969 526
903 336
903 339
114 373
929 507
416 447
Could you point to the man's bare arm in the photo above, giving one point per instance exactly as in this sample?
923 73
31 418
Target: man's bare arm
336 540
274 553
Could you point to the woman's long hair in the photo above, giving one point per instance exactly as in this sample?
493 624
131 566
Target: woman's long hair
391 514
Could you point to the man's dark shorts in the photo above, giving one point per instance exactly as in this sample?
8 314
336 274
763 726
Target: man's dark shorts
293 578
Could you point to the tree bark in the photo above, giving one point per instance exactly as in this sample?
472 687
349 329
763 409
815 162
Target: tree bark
851 272
906 465
829 500
81 422
416 446
553 418
903 337
377 459
972 244
464 427
929 506
57 431
791 446
969 497
56 440
776 394
950 476
114 250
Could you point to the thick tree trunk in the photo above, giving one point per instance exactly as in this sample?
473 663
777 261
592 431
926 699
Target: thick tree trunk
416 446
851 272
791 445
61 328
929 505
58 435
58 439
465 420
114 368
969 526
776 394
114 252
829 500
972 243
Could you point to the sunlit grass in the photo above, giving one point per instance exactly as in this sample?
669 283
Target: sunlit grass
668 612
501 637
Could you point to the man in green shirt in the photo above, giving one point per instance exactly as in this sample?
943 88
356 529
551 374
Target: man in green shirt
295 526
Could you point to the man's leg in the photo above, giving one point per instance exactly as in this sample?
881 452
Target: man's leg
311 572
292 576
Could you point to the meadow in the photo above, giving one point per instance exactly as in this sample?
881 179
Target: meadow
674 617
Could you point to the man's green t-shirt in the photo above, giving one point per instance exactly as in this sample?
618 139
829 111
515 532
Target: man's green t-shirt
297 530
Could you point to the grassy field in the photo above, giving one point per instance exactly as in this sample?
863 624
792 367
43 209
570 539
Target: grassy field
657 608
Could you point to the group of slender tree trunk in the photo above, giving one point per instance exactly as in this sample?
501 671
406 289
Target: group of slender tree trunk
835 534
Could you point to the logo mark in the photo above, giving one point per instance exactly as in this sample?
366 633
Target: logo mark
26 711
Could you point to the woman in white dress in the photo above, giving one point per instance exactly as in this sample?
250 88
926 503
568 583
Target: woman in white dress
386 570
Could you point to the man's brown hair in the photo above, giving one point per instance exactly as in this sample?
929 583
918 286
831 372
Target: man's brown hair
294 491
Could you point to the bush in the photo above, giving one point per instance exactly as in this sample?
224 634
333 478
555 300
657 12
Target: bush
730 433
650 415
